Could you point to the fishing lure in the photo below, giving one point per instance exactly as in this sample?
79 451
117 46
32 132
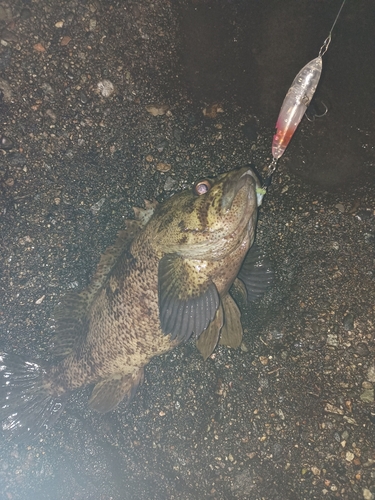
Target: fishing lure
295 105
297 101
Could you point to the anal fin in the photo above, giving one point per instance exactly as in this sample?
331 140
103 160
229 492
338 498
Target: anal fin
108 393
208 339
232 332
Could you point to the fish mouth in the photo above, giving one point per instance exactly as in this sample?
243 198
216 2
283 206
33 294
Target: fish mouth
242 178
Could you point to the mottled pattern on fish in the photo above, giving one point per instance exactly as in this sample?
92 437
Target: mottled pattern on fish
166 278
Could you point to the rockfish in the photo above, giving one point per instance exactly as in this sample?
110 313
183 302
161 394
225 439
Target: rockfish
166 278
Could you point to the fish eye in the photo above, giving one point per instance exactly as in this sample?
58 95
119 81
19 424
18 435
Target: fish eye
202 187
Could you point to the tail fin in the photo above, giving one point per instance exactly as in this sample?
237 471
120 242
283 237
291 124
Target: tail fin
26 406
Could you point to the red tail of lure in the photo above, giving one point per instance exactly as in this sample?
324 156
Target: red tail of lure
295 104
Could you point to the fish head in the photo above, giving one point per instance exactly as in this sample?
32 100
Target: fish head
209 220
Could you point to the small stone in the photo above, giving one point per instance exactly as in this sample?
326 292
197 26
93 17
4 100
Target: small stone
340 207
333 409
10 182
6 143
345 435
371 374
169 184
243 347
367 495
40 300
263 360
349 457
149 158
92 24
38 47
163 167
59 24
361 349
367 385
95 208
230 457
157 110
65 40
332 340
212 110
83 98
348 322
315 471
106 88
9 36
367 396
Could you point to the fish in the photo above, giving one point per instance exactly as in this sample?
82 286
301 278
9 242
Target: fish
168 278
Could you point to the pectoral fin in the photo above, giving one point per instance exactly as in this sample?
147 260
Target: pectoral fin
188 300
108 393
256 273
207 341
231 332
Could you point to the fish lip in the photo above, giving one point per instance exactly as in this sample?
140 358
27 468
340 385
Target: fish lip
236 184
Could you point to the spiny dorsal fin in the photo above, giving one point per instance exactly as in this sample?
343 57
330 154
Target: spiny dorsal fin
70 314
143 215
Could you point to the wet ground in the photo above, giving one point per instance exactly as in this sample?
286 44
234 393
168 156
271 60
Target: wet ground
291 414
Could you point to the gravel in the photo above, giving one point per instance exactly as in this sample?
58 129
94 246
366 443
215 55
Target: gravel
105 104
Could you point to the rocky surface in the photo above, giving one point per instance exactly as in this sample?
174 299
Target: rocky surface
104 104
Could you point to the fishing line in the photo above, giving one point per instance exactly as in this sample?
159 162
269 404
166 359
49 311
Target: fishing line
296 102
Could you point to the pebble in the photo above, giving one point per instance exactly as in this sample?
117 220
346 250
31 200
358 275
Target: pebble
95 208
163 167
315 471
367 495
65 41
212 110
367 396
157 110
371 374
170 184
349 457
367 385
9 36
348 322
345 435
38 47
83 97
6 143
332 340
361 349
106 88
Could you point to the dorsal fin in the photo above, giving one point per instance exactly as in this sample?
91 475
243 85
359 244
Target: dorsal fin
70 314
